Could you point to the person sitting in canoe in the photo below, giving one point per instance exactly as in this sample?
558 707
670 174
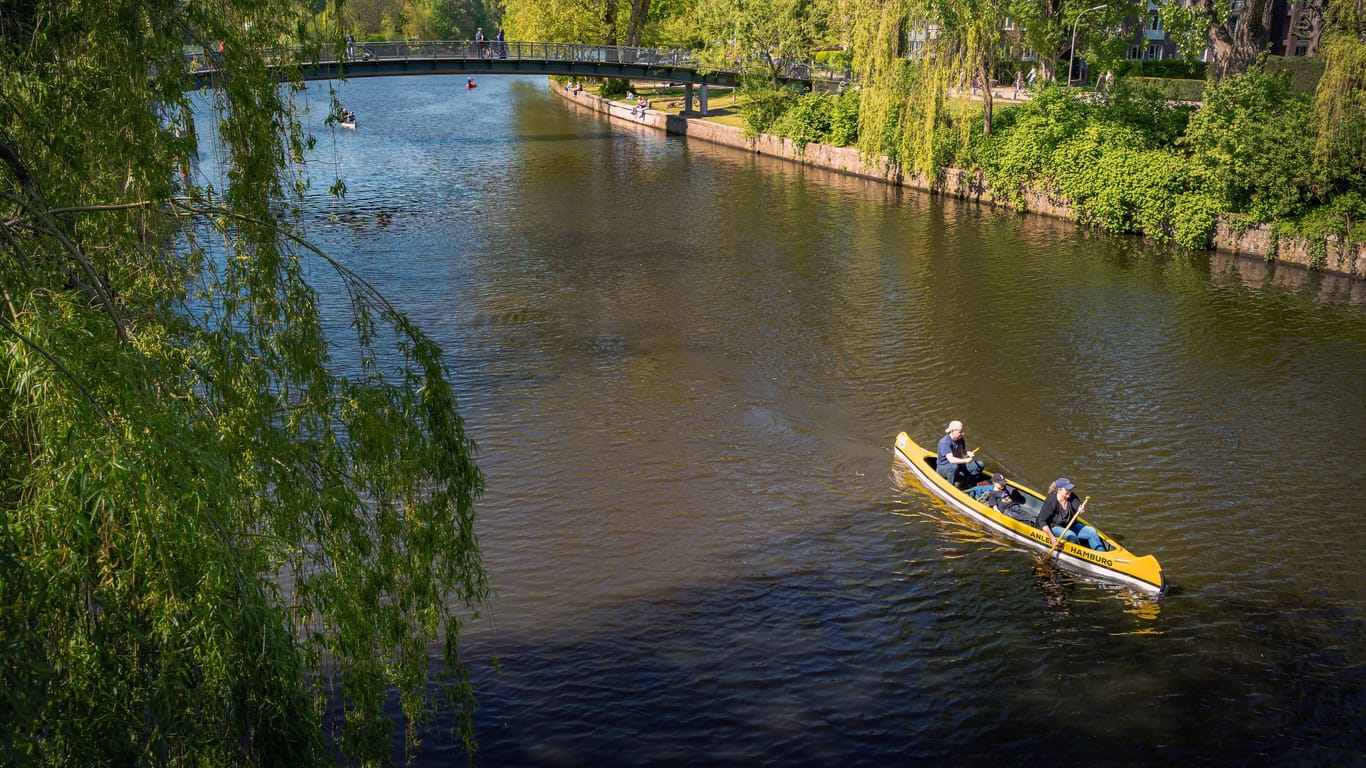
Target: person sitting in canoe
956 462
1061 516
999 499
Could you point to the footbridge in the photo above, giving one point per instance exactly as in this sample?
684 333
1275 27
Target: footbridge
492 57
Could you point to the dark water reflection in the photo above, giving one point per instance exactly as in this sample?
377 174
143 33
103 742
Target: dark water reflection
685 368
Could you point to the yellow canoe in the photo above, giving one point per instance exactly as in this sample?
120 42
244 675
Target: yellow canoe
1117 565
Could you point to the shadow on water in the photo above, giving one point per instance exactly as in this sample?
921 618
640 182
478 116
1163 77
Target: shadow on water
1259 275
841 666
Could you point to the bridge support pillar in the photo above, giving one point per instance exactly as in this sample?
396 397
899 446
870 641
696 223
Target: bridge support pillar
687 97
702 99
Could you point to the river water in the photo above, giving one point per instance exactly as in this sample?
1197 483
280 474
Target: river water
685 367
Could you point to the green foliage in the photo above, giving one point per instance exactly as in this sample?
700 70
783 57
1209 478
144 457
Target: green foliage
615 87
807 119
1339 107
1181 69
763 102
1111 159
758 34
1249 143
1144 157
209 536
1155 110
562 21
1020 150
818 117
837 61
1305 72
1114 183
1179 90
379 20
1194 217
844 120
1185 25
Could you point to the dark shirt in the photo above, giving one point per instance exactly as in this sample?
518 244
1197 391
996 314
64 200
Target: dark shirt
1006 504
947 445
1055 515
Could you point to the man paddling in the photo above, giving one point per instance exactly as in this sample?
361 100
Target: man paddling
956 462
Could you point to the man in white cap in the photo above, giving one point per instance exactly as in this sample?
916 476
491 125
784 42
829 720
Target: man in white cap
956 462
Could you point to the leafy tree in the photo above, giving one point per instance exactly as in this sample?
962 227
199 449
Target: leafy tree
817 117
1340 99
422 19
1046 26
1186 26
1250 142
635 25
577 21
763 33
955 45
209 538
671 25
1235 36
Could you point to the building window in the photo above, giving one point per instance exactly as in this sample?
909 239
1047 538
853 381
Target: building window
1154 53
1302 49
1135 53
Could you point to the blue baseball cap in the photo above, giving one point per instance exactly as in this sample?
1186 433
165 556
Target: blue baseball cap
1064 483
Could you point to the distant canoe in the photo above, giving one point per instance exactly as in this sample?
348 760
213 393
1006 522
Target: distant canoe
1117 565
352 126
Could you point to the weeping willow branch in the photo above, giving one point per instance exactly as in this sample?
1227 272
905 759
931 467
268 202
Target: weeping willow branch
36 347
46 224
1340 100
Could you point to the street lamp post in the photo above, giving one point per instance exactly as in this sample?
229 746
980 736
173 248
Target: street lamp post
1072 54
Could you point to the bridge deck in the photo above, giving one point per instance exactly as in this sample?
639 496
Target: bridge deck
461 57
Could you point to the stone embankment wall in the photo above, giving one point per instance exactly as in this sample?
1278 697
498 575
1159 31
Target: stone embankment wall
1255 241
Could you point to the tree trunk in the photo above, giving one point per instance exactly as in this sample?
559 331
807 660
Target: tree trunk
984 73
1236 44
609 31
640 10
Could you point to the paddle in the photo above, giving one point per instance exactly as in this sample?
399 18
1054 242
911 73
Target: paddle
1067 527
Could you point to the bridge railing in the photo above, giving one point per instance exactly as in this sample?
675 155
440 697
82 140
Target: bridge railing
433 50
493 49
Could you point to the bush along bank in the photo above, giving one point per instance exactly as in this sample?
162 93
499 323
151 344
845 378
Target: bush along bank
1234 173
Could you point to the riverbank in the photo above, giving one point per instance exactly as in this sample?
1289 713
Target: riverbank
1253 241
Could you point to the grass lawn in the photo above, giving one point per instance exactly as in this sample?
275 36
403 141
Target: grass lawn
721 102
